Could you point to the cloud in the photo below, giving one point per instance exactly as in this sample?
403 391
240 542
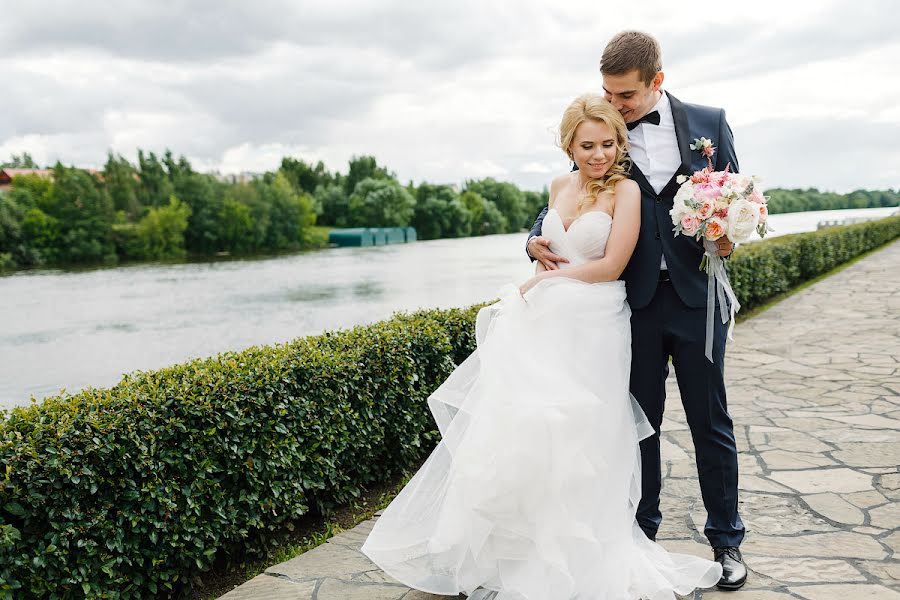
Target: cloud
835 155
437 92
536 167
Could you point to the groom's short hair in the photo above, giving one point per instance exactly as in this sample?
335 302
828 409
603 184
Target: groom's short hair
630 50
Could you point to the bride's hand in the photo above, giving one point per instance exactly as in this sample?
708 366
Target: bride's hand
534 281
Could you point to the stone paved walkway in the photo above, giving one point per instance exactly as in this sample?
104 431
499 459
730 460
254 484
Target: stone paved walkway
814 390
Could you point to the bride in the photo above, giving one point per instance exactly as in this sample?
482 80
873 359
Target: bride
532 492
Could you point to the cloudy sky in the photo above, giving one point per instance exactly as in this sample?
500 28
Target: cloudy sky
440 92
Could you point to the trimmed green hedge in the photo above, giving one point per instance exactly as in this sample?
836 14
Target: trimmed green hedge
763 270
126 492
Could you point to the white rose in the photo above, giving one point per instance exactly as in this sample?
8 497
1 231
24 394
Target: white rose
743 217
678 212
684 193
679 208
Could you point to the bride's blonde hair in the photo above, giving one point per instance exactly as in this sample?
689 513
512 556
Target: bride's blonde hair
595 108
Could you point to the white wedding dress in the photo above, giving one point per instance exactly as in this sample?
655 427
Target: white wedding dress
532 492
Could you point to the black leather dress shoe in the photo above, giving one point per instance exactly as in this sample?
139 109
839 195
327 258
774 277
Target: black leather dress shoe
734 572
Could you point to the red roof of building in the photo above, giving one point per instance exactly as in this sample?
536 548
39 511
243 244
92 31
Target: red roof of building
14 172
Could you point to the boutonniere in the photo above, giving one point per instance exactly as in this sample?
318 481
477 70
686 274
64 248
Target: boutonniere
704 147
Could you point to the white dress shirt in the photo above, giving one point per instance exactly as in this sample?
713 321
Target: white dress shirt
654 149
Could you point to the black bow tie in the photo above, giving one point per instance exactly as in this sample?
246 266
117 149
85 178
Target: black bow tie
650 117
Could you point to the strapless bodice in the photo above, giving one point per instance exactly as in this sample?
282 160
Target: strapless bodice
585 240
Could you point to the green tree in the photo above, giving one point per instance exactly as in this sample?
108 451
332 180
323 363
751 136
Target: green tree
435 218
380 203
305 177
796 200
204 197
334 203
364 167
161 231
439 213
236 228
444 193
33 191
85 213
260 211
486 218
122 183
534 204
292 214
42 235
10 231
176 169
22 243
155 188
27 234
20 161
507 198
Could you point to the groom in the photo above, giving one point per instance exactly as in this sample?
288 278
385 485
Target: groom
667 291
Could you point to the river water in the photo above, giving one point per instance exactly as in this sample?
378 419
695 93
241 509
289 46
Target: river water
73 329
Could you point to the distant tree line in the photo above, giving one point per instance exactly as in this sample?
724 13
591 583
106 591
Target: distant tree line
371 196
161 209
158 209
786 201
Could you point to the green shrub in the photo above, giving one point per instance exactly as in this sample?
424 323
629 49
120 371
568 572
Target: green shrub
7 263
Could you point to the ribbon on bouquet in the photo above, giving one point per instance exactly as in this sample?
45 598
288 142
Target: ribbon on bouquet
718 286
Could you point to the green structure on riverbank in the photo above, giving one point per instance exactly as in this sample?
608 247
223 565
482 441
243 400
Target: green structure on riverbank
371 236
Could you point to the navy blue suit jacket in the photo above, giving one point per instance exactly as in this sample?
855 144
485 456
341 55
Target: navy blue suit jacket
657 235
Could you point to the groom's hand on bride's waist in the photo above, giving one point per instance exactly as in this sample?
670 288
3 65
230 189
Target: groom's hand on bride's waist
539 249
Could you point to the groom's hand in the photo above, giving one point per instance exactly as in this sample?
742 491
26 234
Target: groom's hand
539 249
726 246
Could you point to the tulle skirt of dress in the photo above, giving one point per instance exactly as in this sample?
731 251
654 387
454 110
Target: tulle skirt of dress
532 492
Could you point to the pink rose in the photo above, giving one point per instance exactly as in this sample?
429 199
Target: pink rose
763 212
704 192
757 196
690 225
706 209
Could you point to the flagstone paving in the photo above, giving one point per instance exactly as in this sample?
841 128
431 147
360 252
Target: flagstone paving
814 391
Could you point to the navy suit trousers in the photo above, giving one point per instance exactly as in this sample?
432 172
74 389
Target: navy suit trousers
667 327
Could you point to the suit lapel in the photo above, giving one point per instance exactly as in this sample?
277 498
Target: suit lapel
682 134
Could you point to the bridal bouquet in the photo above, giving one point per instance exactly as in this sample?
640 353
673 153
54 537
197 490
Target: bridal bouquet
711 204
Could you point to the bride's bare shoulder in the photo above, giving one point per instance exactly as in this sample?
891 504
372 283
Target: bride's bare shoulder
557 185
628 187
627 191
